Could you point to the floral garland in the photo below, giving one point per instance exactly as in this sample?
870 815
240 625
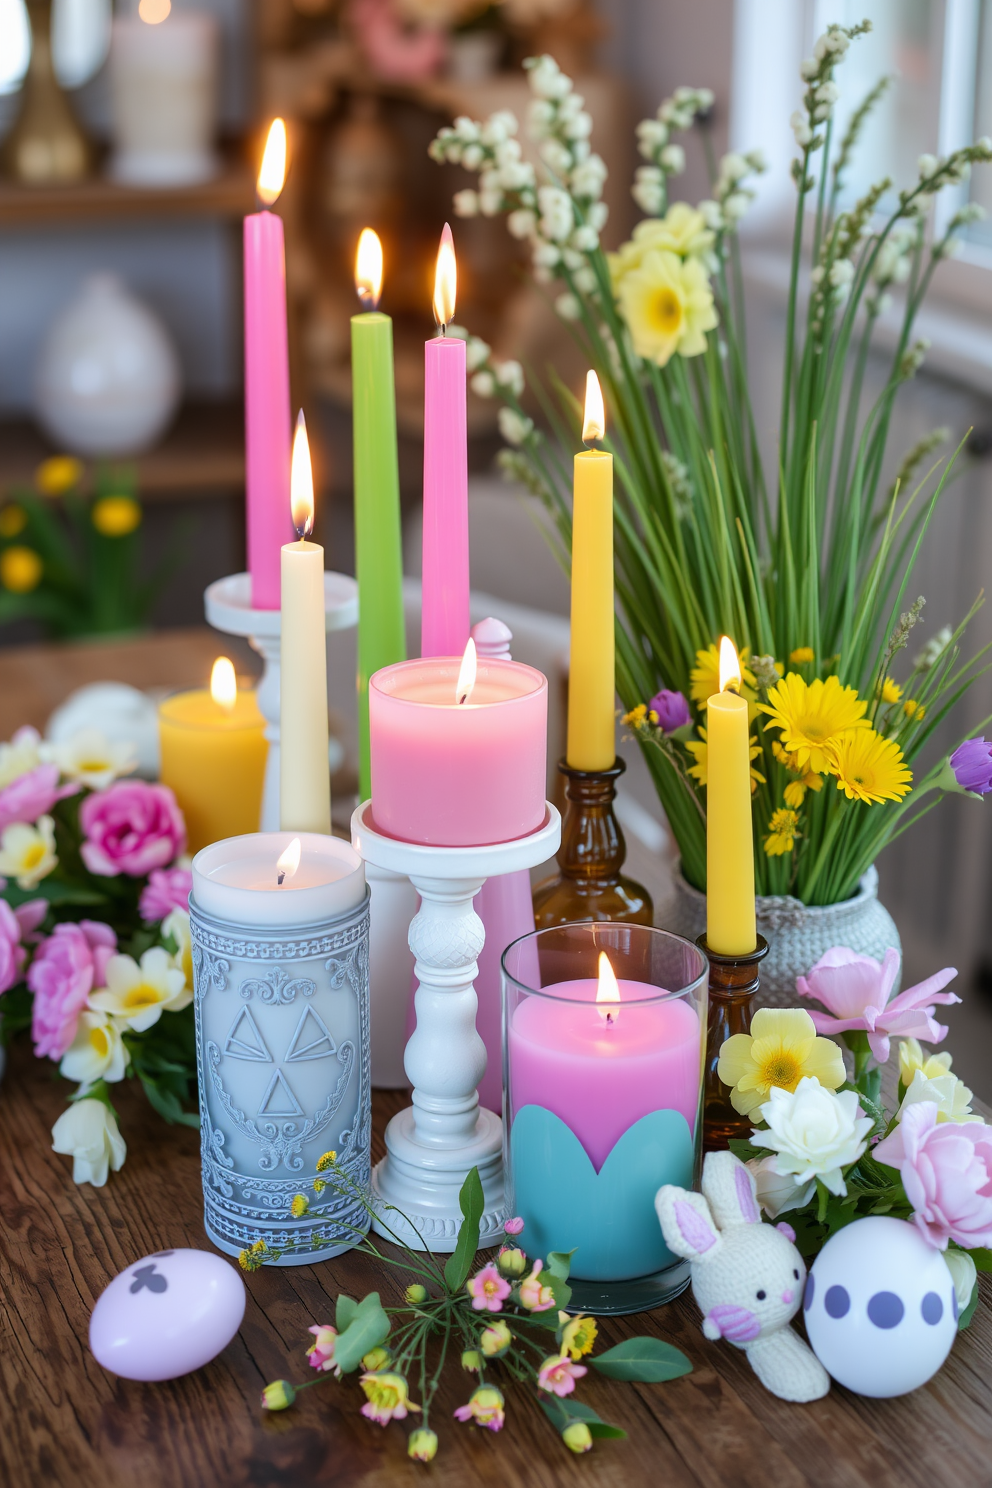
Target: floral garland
94 934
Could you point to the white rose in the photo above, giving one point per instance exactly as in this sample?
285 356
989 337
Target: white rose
814 1132
777 1191
88 1133
963 1273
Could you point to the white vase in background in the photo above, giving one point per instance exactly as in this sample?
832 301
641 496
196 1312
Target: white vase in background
163 81
108 379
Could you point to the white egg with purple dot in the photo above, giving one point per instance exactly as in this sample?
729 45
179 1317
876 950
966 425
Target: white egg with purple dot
880 1308
166 1315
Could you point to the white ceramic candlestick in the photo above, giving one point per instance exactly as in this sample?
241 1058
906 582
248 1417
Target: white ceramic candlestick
227 603
432 1145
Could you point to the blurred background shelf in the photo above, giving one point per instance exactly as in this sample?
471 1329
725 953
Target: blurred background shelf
229 194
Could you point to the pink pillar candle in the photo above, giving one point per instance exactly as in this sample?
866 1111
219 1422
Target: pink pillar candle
452 774
267 421
601 1077
445 613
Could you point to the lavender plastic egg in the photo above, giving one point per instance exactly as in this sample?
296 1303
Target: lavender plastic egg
167 1314
880 1308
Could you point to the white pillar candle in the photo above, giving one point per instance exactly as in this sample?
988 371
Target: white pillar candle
237 880
163 81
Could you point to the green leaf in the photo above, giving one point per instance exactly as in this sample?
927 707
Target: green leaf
368 1327
166 1102
344 1312
560 1262
579 1412
982 1258
560 1289
472 1203
969 1311
744 1150
649 1360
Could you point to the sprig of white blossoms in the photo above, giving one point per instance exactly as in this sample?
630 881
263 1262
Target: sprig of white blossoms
821 93
560 214
654 142
731 197
489 378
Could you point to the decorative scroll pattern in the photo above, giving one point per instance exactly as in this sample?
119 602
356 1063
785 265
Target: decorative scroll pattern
277 985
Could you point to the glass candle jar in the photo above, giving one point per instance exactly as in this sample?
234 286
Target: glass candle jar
602 1069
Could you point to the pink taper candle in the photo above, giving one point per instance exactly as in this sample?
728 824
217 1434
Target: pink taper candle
267 421
445 616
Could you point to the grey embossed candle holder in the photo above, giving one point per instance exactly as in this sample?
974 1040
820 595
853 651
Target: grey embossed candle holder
282 1026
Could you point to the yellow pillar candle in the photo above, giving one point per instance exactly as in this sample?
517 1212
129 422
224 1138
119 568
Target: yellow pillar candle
591 675
213 757
304 775
730 926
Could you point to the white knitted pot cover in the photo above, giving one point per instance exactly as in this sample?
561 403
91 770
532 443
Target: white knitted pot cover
798 935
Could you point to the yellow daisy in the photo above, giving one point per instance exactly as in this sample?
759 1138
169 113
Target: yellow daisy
668 306
783 829
697 748
891 691
812 718
781 1048
914 710
704 678
801 655
868 767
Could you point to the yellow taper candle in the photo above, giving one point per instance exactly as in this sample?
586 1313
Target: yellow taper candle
304 776
213 753
730 927
591 678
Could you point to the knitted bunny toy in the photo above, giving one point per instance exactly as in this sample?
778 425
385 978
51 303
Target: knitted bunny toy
747 1277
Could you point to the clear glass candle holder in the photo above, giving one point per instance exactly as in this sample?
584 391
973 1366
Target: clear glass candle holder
603 1101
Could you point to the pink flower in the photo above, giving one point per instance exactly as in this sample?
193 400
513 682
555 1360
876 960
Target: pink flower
131 828
167 889
946 1171
855 990
485 1408
14 925
558 1375
487 1289
533 1294
32 795
514 1226
321 1351
66 969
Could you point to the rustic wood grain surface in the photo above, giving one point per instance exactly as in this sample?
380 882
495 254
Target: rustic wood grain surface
65 1421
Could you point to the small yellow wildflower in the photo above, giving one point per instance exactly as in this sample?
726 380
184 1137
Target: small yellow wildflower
116 516
869 768
795 791
415 1294
781 1048
20 569
705 675
325 1161
914 711
636 717
891 691
795 794
58 475
13 520
318 1186
375 1359
254 1257
801 656
299 1206
279 1395
783 830
578 1337
422 1445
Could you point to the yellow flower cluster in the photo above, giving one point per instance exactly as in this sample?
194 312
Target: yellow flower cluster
661 282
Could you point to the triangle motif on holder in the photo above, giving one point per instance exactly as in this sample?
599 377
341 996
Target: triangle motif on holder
278 1099
312 1039
244 1040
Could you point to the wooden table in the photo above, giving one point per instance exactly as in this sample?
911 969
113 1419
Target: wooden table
67 1422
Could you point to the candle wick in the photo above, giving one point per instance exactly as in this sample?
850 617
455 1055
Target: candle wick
590 444
609 1020
281 878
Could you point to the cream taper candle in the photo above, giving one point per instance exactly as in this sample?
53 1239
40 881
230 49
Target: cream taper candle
304 779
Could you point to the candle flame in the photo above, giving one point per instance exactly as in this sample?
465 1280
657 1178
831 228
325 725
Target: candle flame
272 174
730 667
368 268
466 674
288 861
301 481
445 280
608 991
224 684
594 423
153 12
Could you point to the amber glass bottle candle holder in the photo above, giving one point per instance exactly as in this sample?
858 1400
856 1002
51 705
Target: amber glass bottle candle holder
589 884
733 983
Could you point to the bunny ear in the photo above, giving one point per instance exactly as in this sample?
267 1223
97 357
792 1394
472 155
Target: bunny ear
729 1187
686 1223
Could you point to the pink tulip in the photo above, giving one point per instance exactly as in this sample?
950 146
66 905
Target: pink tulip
855 990
946 1170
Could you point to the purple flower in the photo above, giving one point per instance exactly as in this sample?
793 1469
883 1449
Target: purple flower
167 889
32 794
856 989
14 925
971 763
131 828
68 966
672 710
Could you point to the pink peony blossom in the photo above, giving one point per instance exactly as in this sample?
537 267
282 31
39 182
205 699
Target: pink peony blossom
66 969
946 1170
167 889
855 991
488 1290
558 1375
321 1351
32 795
14 925
131 828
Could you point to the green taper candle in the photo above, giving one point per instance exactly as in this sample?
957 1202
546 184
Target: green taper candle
378 549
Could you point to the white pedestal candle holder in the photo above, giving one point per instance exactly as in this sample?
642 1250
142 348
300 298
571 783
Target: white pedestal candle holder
432 1145
227 603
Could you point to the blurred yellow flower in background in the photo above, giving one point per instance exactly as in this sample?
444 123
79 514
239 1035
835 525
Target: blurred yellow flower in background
891 691
13 520
668 306
20 569
58 475
116 516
